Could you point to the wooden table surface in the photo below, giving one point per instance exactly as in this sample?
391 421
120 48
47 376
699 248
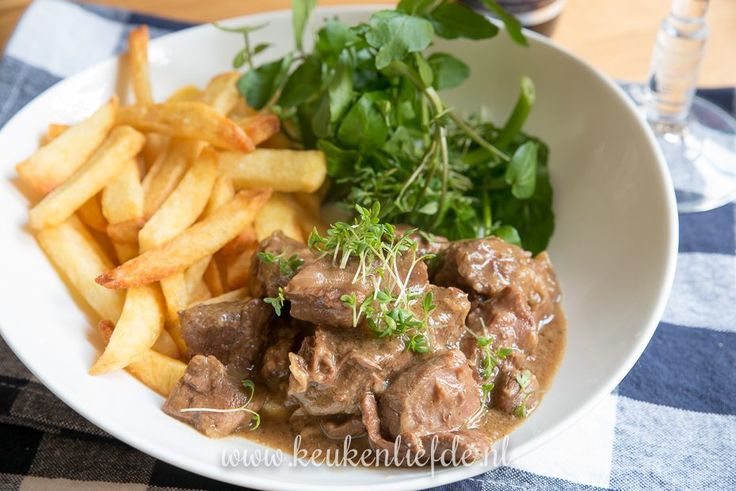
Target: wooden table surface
614 35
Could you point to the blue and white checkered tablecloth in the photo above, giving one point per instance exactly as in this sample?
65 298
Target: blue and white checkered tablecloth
671 424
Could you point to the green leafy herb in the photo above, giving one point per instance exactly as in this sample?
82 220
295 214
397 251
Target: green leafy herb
367 96
276 302
245 55
513 26
300 12
523 378
248 385
288 266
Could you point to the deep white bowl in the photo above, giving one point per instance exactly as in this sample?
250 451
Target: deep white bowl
614 247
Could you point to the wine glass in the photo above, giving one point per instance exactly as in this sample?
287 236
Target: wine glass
697 138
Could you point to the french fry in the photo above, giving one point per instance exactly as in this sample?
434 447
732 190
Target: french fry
309 216
279 141
186 93
190 119
279 213
222 93
200 240
125 252
126 232
76 254
246 238
242 110
280 170
222 192
139 69
213 279
194 273
140 324
91 214
122 198
54 130
122 144
238 268
260 127
184 204
166 345
154 146
167 171
239 294
157 370
56 161
200 292
175 292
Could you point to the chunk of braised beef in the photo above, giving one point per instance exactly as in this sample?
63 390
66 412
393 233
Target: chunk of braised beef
516 391
437 393
446 323
315 292
208 384
485 267
234 332
272 275
506 319
464 445
334 368
426 243
286 337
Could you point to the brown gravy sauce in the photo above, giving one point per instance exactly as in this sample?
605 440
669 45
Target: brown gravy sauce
276 432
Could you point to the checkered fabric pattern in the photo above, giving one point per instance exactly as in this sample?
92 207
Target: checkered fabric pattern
671 424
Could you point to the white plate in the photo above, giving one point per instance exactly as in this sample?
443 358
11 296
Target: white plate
614 248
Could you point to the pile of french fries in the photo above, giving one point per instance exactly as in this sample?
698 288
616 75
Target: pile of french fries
150 208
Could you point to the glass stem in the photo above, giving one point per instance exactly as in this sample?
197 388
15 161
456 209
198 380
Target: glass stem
673 75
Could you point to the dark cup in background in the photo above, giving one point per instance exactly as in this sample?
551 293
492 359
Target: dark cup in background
538 15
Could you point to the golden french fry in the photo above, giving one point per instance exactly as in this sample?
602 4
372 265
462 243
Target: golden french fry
140 324
189 119
157 370
155 145
139 69
122 145
126 232
279 141
246 238
186 93
56 161
91 214
167 171
310 216
76 254
222 192
54 130
280 170
260 127
200 292
175 292
239 294
279 213
238 268
125 252
213 279
166 345
242 110
200 240
184 204
195 273
222 93
122 198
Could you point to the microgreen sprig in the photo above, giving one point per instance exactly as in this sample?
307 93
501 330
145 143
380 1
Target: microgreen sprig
276 302
377 250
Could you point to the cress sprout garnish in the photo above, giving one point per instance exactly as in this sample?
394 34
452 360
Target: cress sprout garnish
385 260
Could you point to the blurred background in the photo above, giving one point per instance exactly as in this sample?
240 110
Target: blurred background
614 35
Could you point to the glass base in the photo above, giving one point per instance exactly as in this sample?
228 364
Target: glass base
701 154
